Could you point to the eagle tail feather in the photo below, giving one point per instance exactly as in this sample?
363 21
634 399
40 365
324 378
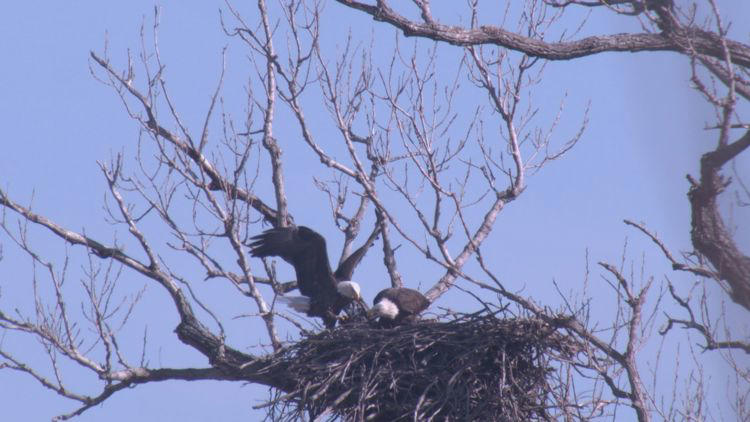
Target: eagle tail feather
298 303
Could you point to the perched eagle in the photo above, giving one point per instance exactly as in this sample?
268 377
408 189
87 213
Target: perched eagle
325 293
396 306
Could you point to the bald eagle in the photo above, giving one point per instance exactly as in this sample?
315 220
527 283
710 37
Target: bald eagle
325 293
397 306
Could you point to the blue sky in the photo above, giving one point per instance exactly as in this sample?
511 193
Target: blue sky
645 133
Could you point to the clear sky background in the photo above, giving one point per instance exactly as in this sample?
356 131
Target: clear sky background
645 134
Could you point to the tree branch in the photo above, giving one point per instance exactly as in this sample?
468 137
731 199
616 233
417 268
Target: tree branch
701 41
709 235
216 181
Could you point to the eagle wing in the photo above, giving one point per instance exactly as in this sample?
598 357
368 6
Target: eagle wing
306 250
346 267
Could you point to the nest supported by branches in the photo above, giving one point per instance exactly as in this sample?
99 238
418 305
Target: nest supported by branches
471 367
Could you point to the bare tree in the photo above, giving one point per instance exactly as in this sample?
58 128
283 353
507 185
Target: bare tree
408 169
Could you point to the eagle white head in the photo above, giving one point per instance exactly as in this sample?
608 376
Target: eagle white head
385 309
349 289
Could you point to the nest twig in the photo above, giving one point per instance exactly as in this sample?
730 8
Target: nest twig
473 367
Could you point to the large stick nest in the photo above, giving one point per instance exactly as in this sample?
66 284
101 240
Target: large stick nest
472 367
